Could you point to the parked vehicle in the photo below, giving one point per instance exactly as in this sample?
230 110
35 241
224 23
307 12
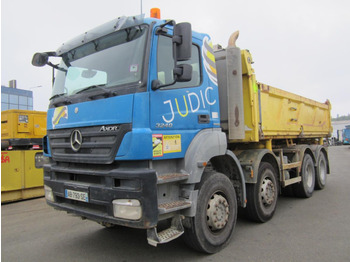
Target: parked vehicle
148 121
346 135
21 154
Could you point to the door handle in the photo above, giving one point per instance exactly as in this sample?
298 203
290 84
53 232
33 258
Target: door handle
203 119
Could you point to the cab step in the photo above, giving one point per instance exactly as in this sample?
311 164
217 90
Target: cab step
168 207
172 177
154 238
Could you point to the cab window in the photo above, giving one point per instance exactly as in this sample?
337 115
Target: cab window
165 64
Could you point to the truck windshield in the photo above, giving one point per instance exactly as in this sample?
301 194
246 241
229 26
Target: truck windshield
108 62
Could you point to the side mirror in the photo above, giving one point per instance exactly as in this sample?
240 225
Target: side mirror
40 59
183 39
183 73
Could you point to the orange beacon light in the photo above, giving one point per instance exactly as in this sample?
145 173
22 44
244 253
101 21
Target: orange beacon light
155 13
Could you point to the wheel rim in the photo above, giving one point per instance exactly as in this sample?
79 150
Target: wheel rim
267 192
218 211
309 178
322 170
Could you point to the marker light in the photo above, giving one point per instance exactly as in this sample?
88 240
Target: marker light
155 13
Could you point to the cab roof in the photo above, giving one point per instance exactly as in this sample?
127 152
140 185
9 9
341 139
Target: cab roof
110 27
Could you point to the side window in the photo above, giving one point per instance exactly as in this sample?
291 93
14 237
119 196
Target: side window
165 64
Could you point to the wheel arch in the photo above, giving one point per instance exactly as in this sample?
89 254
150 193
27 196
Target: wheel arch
325 152
306 149
229 165
319 149
250 161
270 158
207 144
311 153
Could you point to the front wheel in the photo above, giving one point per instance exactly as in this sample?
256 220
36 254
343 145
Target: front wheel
212 227
262 196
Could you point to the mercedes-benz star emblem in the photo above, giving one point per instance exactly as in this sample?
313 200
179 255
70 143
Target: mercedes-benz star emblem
76 139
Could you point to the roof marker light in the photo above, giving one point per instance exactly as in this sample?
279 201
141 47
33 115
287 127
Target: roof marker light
155 13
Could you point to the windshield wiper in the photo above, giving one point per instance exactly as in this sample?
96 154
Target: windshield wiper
92 87
58 95
63 100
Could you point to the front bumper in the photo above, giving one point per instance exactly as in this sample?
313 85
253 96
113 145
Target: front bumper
103 184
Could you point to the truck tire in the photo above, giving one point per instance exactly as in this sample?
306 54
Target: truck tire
262 196
321 171
306 187
212 227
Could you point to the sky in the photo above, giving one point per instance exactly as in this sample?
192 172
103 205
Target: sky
301 46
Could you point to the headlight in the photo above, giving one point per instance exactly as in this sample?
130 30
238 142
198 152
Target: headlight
127 209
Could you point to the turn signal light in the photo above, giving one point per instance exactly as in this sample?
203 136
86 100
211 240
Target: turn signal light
155 13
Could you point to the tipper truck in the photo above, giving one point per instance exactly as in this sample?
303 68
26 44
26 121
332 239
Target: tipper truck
346 135
149 122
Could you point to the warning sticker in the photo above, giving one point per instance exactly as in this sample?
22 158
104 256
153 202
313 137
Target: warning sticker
172 143
157 144
163 144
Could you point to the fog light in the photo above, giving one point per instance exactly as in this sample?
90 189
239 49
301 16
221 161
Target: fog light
127 209
49 194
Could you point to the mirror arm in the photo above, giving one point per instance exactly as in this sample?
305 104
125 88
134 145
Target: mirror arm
53 76
162 29
169 22
156 84
56 67
51 54
177 39
178 71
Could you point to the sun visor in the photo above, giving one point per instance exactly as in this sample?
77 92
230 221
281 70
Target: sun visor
102 30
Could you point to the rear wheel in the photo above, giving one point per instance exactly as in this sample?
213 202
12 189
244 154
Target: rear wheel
212 227
262 196
321 171
306 187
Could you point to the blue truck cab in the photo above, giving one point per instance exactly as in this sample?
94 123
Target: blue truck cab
133 123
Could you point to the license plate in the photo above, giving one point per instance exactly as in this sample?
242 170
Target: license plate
77 195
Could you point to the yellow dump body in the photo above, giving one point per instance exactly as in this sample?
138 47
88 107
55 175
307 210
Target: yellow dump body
287 114
272 113
22 124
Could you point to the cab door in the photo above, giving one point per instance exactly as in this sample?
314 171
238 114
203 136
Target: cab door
178 111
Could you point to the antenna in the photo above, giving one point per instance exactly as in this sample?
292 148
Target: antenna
141 6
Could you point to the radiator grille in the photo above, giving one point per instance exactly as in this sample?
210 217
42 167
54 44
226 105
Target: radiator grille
97 147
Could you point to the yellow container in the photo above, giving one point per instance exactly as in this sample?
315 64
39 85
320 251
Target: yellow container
288 115
20 178
271 113
19 124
